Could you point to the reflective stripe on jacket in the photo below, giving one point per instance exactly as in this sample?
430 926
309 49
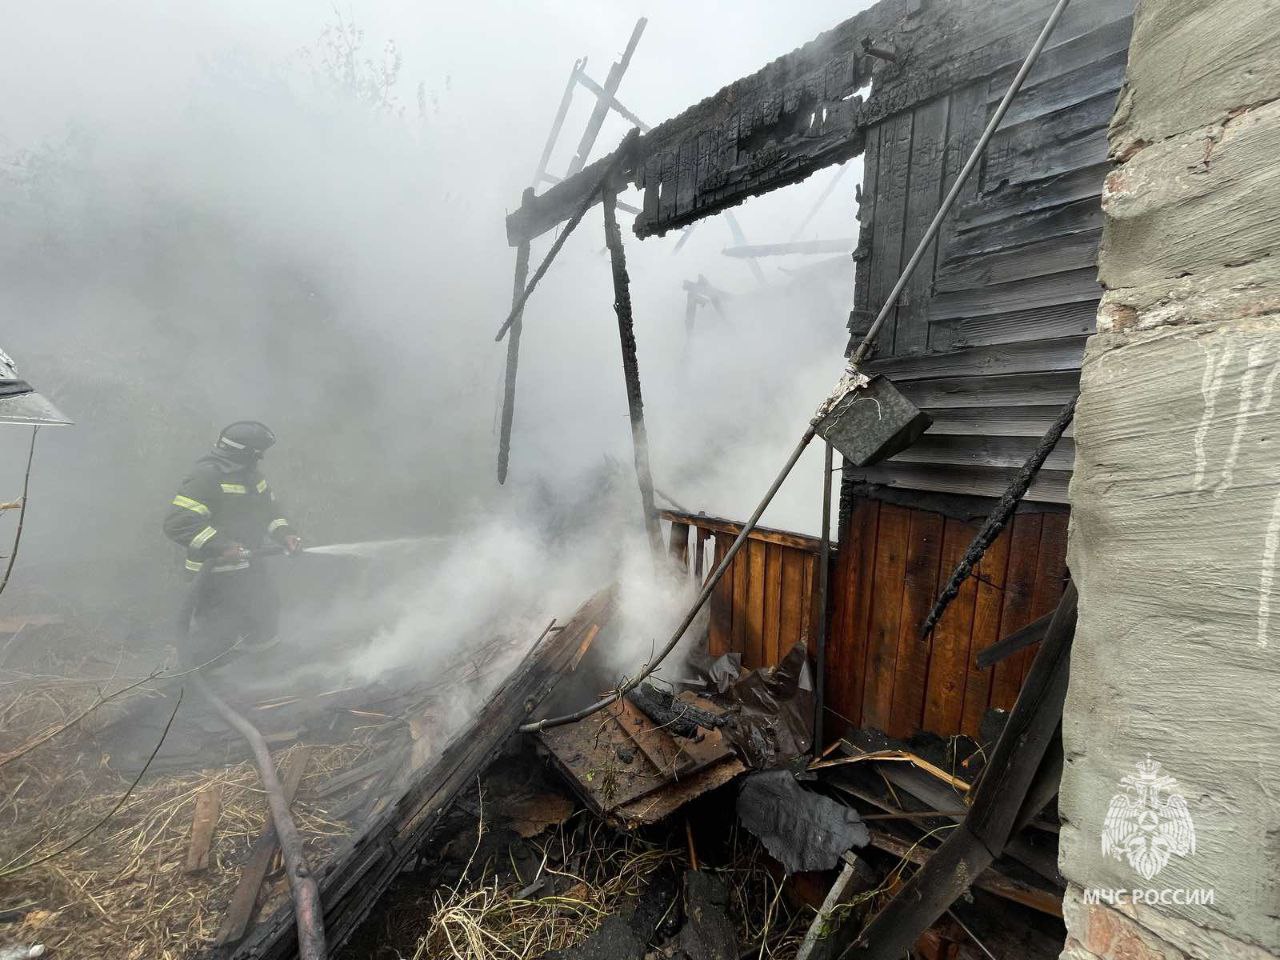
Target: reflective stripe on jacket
219 504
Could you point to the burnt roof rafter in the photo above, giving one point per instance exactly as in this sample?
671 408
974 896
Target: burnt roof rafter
803 111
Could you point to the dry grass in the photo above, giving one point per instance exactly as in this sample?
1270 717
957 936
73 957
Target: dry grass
593 870
767 923
122 894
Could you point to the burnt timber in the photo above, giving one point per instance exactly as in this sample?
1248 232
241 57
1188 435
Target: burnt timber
355 879
802 112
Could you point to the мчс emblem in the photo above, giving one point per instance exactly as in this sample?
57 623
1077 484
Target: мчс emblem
1148 821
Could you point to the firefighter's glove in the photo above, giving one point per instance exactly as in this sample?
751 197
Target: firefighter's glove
235 552
292 544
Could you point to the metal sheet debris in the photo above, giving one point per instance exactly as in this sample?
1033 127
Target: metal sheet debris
802 829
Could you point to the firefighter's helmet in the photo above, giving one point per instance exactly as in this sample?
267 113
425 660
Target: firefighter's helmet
19 402
246 439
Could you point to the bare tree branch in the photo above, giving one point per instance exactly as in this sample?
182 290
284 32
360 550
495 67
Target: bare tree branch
22 511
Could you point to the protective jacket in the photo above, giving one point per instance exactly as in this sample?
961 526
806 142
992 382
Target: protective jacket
223 501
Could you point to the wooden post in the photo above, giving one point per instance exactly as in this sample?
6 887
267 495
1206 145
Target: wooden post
554 135
630 365
513 355
611 84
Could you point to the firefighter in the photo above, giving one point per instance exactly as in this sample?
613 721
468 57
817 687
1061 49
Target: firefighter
224 512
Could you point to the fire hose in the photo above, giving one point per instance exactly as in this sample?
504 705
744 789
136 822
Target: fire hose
303 889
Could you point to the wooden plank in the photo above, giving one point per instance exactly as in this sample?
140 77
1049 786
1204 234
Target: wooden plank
720 623
1051 575
203 822
992 880
755 654
1016 612
601 109
1047 146
1057 205
1041 356
1039 323
924 194
968 115
720 525
1005 228
1068 55
920 584
966 42
989 580
847 649
741 573
1008 645
349 778
1102 76
980 451
678 546
1019 389
792 612
792 247
893 182
1050 486
1067 287
949 656
762 118
886 610
862 315
244 899
774 558
1021 776
1045 255
996 421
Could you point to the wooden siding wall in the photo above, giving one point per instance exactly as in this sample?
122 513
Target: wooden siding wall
989 341
767 601
886 577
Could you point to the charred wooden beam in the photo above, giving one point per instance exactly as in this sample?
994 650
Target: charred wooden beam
1031 634
603 102
991 880
801 112
631 366
734 138
554 134
357 877
1000 515
513 356
612 101
740 239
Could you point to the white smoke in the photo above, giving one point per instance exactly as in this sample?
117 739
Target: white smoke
201 225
